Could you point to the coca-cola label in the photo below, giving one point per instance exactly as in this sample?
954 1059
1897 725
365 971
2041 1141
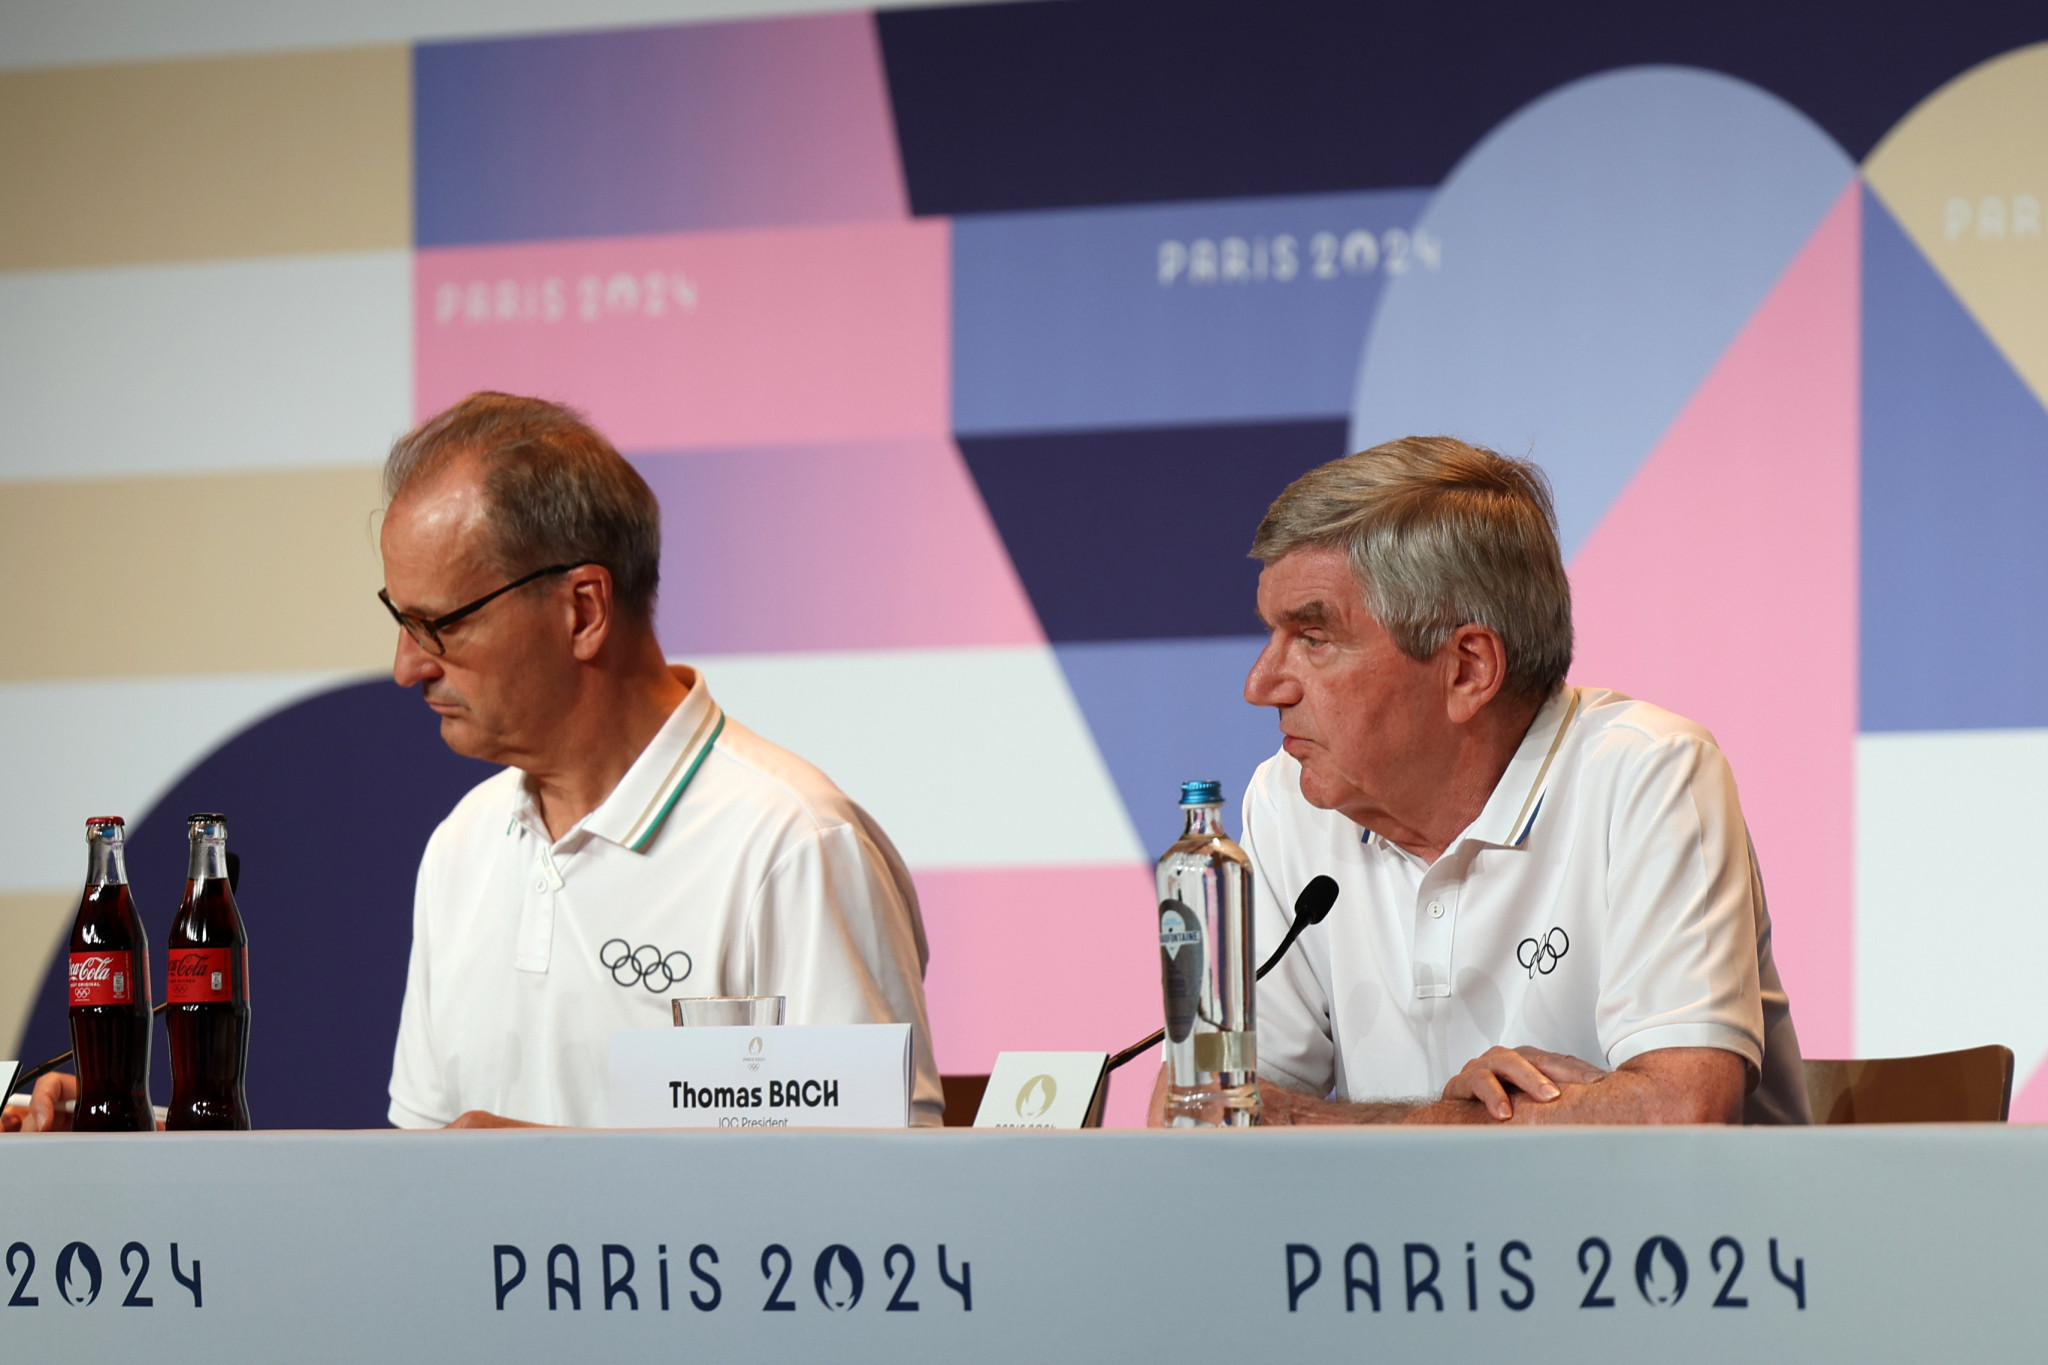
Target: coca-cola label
200 976
102 978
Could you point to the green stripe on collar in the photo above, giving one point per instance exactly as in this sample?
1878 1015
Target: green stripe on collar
661 817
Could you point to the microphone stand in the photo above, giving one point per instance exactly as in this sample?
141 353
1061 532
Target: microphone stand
1310 908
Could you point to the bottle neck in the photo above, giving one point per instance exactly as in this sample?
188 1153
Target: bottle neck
106 858
1202 821
209 855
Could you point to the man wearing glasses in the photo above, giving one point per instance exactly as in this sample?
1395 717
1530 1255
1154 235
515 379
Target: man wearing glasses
641 845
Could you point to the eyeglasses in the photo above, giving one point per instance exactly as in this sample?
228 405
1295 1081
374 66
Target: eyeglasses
427 633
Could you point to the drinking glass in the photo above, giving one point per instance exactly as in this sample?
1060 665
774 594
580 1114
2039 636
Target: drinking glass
728 1011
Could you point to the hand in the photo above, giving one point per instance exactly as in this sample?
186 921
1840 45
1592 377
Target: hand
1530 1070
483 1118
45 1112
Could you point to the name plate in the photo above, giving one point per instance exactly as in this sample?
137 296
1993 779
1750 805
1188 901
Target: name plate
796 1076
8 1071
1044 1090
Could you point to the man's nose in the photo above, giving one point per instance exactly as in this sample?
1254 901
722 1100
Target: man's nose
412 664
1268 684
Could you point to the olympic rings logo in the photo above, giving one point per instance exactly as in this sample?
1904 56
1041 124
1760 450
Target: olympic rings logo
643 966
1542 957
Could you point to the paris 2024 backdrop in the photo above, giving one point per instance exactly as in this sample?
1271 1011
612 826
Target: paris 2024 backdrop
964 348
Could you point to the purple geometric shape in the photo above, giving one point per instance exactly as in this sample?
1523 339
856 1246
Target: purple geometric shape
329 805
677 129
1955 481
1143 533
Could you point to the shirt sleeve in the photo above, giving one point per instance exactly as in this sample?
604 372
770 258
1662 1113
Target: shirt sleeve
1679 965
1295 1046
418 1097
836 929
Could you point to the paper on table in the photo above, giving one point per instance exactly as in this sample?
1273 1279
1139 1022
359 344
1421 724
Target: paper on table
1042 1090
808 1076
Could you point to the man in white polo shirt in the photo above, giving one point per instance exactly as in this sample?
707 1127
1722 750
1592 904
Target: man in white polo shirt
640 845
1549 908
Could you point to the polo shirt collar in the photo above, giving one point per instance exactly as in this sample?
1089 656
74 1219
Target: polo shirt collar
1511 811
638 807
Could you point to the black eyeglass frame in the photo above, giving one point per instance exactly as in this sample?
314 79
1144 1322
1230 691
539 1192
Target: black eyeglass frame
427 633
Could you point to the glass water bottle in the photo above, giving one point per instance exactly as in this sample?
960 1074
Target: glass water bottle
1205 966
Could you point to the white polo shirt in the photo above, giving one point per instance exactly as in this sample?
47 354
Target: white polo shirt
1606 903
720 865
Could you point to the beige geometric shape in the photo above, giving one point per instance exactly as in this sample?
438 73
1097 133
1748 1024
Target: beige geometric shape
32 924
231 156
215 573
1966 175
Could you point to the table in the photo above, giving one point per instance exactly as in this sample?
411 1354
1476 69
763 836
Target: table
1906 1242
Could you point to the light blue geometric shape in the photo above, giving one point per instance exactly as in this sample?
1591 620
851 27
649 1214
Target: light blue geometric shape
1221 311
1601 249
1168 711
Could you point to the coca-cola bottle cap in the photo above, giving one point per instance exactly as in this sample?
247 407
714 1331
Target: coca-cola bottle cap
105 820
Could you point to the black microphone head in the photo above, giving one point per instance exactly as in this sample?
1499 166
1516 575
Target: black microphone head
1312 906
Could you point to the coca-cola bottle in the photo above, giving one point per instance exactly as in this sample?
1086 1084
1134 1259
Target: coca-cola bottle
110 992
207 990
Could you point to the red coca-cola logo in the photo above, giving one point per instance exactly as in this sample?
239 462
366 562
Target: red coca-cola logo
200 976
101 979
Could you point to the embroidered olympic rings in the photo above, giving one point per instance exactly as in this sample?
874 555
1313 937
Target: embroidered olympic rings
1542 957
643 966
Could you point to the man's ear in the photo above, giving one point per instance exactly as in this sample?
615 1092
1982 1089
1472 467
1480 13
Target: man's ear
1476 665
591 610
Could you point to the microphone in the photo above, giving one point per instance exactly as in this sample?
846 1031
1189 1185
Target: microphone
1311 907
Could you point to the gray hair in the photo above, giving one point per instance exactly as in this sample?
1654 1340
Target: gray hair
555 491
1440 534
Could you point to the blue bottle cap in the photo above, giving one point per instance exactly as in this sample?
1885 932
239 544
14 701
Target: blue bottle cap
1208 793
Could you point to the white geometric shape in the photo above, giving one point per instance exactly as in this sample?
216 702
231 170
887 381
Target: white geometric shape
1951 907
74 749
281 363
967 757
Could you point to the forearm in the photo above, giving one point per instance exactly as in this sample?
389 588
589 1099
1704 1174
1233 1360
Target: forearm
1637 1097
1283 1106
1677 1085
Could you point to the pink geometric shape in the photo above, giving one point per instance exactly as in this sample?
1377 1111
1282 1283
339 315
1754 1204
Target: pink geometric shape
1722 585
692 340
792 120
2030 1098
852 545
1043 959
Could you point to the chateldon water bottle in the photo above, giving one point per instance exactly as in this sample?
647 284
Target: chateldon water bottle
1205 967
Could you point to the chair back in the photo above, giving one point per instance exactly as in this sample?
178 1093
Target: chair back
963 1099
1970 1086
